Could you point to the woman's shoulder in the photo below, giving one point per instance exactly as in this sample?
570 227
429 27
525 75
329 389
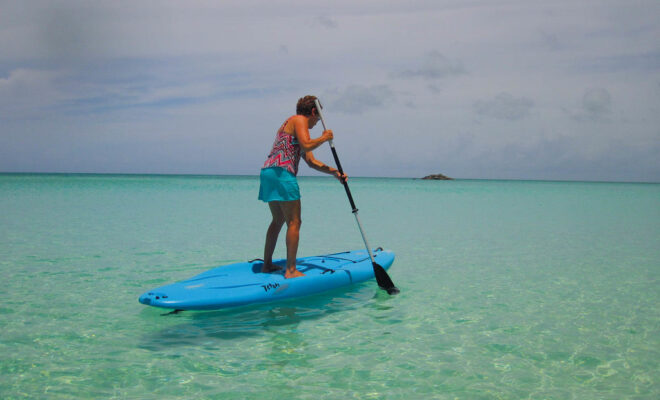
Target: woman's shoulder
290 124
296 118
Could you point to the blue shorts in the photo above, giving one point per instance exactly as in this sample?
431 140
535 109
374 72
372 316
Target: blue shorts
278 184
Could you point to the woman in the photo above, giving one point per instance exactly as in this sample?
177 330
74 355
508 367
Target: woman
279 186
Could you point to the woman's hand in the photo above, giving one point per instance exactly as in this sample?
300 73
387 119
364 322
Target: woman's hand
327 135
340 177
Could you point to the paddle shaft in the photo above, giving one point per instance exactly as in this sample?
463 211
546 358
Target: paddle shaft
350 199
382 278
341 171
348 190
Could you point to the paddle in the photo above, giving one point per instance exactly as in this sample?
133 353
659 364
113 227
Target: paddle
382 278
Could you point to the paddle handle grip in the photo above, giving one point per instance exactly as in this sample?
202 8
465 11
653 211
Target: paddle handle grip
334 155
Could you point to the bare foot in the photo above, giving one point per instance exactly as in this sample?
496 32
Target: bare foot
268 268
293 273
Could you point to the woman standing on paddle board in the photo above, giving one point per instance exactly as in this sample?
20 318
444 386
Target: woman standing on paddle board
278 183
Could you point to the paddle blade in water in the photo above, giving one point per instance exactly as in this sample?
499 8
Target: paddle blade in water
384 280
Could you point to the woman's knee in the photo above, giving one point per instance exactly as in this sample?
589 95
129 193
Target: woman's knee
294 222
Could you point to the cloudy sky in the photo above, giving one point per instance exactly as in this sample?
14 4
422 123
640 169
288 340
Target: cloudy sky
511 89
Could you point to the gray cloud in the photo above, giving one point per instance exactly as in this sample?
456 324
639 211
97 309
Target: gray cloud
561 158
434 65
73 68
69 33
327 22
550 41
26 93
356 99
504 106
434 89
648 61
597 102
596 105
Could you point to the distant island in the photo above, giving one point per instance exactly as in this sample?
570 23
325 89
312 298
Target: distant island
438 177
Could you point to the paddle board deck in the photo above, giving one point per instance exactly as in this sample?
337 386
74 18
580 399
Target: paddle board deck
243 283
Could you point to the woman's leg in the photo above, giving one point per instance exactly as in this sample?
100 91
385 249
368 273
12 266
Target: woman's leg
291 212
271 236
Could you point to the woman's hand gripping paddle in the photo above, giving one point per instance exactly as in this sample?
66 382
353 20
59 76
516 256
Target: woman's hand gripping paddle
382 278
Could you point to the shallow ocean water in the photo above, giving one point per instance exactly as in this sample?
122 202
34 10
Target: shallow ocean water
510 290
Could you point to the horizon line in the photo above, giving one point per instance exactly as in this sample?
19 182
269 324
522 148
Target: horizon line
317 176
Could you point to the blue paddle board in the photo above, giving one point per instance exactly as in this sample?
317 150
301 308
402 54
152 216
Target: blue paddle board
243 283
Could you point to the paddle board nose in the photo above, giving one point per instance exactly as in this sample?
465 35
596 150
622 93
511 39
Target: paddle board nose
152 298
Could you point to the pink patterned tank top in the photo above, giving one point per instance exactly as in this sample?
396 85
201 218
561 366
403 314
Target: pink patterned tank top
285 153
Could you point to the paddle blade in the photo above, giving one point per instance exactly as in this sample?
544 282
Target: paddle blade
384 280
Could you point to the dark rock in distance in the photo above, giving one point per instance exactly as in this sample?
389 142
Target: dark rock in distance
438 177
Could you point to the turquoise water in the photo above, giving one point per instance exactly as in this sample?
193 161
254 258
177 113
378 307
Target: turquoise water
510 290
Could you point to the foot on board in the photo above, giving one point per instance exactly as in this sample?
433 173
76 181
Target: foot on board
293 273
268 268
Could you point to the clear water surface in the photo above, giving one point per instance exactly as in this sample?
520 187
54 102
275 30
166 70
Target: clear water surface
510 290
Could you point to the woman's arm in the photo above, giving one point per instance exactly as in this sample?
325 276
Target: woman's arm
302 134
319 166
